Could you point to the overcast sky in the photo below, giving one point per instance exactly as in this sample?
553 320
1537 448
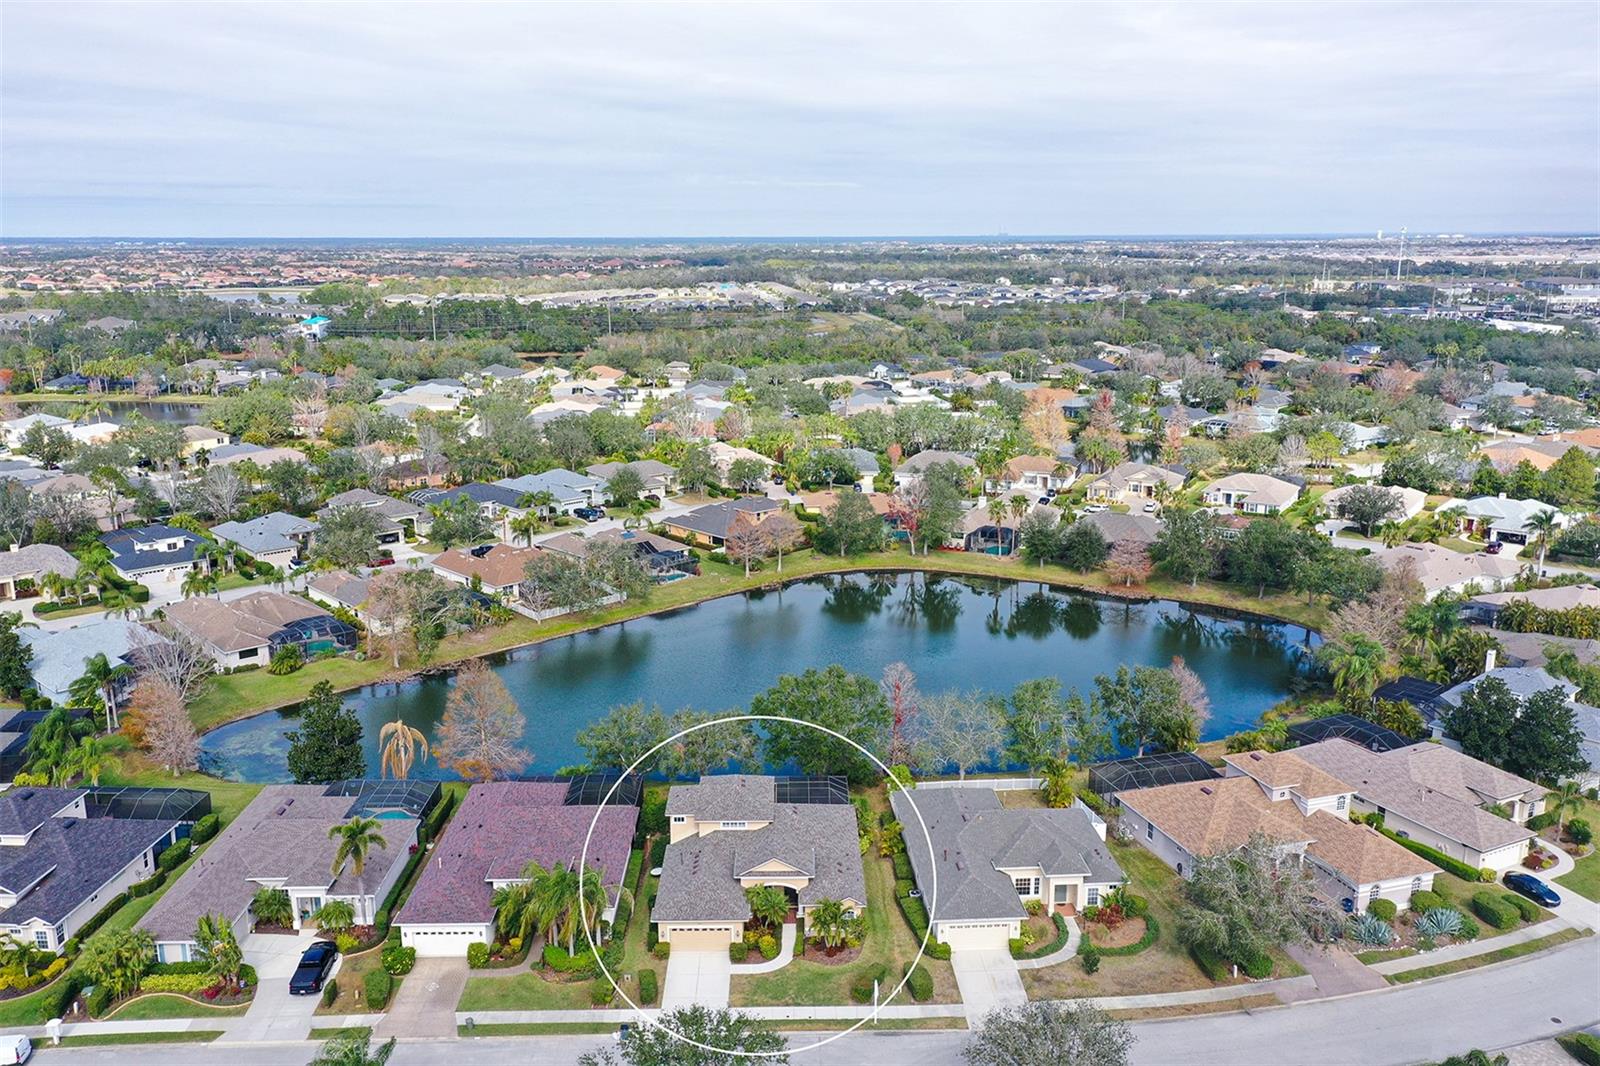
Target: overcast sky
789 119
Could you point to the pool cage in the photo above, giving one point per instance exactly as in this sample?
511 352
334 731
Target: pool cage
316 634
1349 727
832 788
187 805
375 798
1149 771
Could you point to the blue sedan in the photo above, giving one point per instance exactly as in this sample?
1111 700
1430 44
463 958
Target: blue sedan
1533 888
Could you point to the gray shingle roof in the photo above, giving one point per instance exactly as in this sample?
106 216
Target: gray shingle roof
973 835
269 533
68 859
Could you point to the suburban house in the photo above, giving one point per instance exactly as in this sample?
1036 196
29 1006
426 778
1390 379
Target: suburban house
197 439
1499 517
250 630
260 455
1302 808
1117 527
568 490
1437 796
1524 681
911 469
709 525
498 830
152 553
342 589
281 841
1409 502
498 503
23 568
59 656
278 538
496 567
400 517
1034 475
660 480
1252 493
1133 483
723 456
67 852
1439 569
990 860
1485 608
737 831
665 559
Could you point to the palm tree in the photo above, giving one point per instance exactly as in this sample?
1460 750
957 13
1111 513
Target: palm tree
1357 662
525 526
120 603
16 954
1543 525
91 758
99 685
271 905
356 838
403 747
768 905
1020 505
1564 800
513 906
1430 625
562 902
51 742
336 916
213 935
198 583
54 585
353 1047
826 918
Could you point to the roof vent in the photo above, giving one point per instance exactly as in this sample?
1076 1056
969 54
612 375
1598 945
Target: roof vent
1256 756
26 793
1206 789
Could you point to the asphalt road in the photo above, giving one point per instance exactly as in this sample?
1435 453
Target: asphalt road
1499 1007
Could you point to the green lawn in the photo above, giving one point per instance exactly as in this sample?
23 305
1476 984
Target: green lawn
1527 947
112 1039
523 991
163 1005
1585 880
228 798
889 941
350 979
537 1029
329 1034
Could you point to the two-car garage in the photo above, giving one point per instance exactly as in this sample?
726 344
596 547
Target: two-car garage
977 936
700 936
444 941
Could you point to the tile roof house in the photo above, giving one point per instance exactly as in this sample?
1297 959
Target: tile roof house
1134 481
59 656
497 567
281 841
59 866
660 480
497 831
989 860
250 630
277 538
709 525
1302 808
1252 493
1440 569
729 833
30 563
1033 474
1437 796
341 588
154 552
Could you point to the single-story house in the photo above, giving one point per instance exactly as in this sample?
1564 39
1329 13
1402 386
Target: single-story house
1485 607
917 465
250 630
1437 796
1499 517
59 656
662 557
660 480
1117 527
497 502
736 831
281 841
497 567
197 439
1303 809
723 456
260 455
400 516
498 830
63 858
154 552
25 567
278 538
1408 501
990 860
1034 475
1129 482
1252 493
341 588
17 428
709 525
568 490
1439 569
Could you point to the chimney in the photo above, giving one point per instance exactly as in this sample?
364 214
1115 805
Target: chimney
1488 660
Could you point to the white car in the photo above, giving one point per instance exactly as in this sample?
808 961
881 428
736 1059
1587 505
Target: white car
1096 508
15 1049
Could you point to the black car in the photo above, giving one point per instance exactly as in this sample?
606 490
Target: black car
1533 888
313 969
589 514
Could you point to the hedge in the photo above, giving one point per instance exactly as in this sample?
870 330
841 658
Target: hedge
1039 950
478 955
916 916
1383 909
1435 856
100 916
1543 821
1495 911
1585 1047
1424 901
647 986
1152 929
99 1001
601 993
205 829
920 983
861 987
1525 907
1214 967
193 966
1257 966
174 856
330 991
148 885
186 984
377 985
903 887
902 867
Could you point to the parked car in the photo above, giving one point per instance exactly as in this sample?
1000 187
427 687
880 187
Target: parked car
315 963
1493 547
589 514
1096 508
15 1049
1535 889
1150 507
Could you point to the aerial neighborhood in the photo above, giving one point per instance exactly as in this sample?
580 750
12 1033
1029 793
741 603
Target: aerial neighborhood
939 650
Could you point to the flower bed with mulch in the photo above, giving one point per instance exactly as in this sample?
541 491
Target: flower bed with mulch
816 953
1128 931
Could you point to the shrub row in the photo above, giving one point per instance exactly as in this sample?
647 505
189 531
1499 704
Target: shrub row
377 985
738 951
186 984
1495 910
1585 1047
920 983
1152 930
1214 967
330 991
647 986
916 916
1047 948
1435 856
902 867
1543 821
205 829
174 856
1525 907
193 966
148 885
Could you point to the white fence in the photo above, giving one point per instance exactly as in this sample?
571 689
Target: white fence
999 784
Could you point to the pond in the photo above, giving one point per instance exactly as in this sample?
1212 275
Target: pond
965 633
71 406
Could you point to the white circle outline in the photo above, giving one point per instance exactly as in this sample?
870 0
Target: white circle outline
933 887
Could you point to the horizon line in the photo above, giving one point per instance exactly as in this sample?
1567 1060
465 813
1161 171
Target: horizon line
834 238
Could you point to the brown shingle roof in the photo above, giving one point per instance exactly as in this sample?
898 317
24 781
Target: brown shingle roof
501 566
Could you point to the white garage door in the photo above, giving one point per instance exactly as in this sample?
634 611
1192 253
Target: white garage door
701 938
976 935
437 943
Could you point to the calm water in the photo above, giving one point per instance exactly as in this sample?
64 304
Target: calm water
954 632
176 412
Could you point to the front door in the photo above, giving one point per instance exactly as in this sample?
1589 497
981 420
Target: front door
1061 893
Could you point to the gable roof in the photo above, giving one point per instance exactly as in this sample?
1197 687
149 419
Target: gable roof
248 622
269 533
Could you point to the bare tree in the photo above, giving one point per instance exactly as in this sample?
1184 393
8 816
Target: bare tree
783 533
1128 563
956 729
409 608
311 411
166 731
1191 690
175 659
746 541
221 489
899 687
430 442
481 727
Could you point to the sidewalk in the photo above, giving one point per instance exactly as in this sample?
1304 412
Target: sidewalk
1472 947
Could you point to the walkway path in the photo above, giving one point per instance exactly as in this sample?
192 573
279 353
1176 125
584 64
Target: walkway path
1334 970
1055 958
783 958
425 1006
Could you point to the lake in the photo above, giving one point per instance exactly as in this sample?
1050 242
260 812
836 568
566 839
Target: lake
174 411
955 633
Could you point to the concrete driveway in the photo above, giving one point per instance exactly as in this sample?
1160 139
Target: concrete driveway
425 1006
697 977
274 1014
987 979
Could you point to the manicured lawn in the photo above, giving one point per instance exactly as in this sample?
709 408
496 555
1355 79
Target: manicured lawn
112 1039
353 969
1527 947
236 696
537 1029
1461 892
888 942
328 1034
152 1007
523 991
1585 880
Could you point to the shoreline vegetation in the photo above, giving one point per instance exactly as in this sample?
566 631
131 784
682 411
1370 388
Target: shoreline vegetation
230 698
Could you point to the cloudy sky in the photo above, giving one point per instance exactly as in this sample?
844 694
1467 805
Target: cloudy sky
796 119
